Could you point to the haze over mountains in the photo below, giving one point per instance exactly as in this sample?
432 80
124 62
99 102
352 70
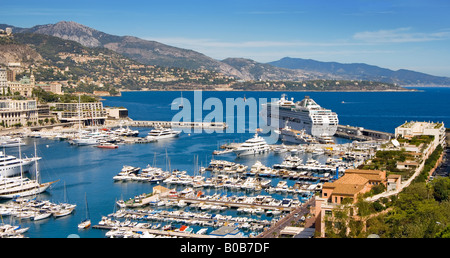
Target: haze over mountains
294 69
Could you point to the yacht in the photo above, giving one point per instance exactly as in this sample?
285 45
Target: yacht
162 133
325 139
6 141
14 187
289 135
305 114
85 140
86 223
125 132
253 146
21 186
10 165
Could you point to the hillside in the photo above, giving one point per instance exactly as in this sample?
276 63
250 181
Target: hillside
144 51
11 52
89 69
252 70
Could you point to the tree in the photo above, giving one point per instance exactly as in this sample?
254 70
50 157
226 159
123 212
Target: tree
441 188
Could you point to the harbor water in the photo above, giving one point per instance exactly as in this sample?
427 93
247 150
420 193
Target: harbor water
87 170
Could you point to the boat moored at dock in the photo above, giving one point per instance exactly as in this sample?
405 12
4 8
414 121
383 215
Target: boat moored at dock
254 146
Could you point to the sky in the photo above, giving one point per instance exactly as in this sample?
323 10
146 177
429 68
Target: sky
393 34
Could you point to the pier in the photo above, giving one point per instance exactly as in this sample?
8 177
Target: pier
361 134
171 124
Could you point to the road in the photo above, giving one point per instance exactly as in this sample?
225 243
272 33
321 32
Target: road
287 220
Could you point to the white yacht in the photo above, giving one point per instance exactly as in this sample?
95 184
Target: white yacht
6 141
85 140
289 135
14 187
10 165
162 133
121 131
22 186
305 114
253 146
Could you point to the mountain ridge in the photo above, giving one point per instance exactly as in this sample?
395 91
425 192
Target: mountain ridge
296 69
362 71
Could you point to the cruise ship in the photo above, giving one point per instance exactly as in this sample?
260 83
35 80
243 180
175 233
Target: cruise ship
10 165
253 146
302 115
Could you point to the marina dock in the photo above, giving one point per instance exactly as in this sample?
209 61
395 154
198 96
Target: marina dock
229 204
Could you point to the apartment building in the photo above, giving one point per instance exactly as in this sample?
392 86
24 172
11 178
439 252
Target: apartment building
15 112
89 113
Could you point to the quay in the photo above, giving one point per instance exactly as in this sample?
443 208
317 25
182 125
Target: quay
229 204
155 232
361 134
171 124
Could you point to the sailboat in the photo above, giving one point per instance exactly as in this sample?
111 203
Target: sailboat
86 223
81 139
15 187
65 208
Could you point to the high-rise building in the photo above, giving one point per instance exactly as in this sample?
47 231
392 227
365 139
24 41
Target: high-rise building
3 81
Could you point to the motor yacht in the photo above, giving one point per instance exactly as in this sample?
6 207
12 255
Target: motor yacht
253 146
162 133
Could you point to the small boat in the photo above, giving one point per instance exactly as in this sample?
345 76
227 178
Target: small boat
86 223
42 215
202 231
63 212
107 145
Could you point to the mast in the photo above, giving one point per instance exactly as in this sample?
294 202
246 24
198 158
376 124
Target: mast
36 164
79 115
21 167
87 209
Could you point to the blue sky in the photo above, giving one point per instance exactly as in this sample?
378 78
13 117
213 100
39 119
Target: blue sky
395 34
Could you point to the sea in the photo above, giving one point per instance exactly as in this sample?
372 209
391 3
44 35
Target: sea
88 171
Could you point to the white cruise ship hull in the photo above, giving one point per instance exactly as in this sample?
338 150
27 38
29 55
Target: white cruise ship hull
316 121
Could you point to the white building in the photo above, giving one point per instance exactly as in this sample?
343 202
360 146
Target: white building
14 112
411 129
3 81
92 113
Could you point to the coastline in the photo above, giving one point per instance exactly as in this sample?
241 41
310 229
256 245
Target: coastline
240 90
